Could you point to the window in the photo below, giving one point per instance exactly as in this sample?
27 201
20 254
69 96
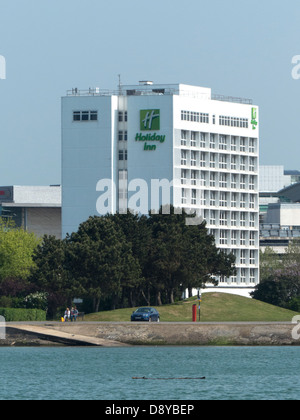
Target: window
202 198
85 116
223 162
234 200
243 201
223 237
252 220
243 238
222 143
122 154
252 239
251 145
233 218
223 199
212 201
194 197
243 182
212 162
202 178
252 257
183 176
251 164
243 163
183 137
233 163
233 237
194 178
212 179
252 201
212 141
183 196
243 275
202 140
193 139
183 157
193 159
233 181
212 219
202 159
93 115
243 257
223 218
243 144
233 144
223 181
243 219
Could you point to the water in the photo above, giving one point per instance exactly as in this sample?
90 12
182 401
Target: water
232 373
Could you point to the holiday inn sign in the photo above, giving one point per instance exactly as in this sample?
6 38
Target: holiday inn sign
150 121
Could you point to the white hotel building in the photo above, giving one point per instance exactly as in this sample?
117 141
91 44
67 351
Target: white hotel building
117 147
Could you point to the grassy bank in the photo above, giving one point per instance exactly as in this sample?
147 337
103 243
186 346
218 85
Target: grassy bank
215 307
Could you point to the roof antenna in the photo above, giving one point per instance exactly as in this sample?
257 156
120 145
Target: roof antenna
120 84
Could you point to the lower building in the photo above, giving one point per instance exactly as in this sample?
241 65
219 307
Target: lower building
37 209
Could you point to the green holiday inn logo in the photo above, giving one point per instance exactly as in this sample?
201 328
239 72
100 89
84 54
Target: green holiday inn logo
150 119
254 118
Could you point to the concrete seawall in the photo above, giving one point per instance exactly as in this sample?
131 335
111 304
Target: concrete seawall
114 334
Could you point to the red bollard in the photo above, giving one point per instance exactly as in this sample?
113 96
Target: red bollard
194 313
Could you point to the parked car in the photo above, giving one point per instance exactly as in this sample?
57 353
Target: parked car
145 314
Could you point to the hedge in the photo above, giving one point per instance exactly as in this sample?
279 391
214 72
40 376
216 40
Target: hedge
15 315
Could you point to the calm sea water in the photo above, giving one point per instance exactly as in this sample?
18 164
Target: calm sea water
106 373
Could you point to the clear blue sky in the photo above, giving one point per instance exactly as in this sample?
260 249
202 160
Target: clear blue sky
236 47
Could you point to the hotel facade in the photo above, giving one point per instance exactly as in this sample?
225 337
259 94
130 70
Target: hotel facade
149 145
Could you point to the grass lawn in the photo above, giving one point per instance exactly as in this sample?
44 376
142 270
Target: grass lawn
215 307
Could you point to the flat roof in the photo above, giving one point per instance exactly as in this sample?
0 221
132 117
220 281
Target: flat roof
30 196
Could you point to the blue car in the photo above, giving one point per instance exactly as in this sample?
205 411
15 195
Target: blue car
145 314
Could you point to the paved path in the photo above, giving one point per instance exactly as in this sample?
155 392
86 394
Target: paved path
67 338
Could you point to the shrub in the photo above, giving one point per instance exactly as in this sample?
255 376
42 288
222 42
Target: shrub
16 315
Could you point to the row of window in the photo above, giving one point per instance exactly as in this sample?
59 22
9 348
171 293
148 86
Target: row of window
93 116
238 238
199 117
220 161
218 199
233 219
85 116
202 117
218 180
245 276
215 141
234 121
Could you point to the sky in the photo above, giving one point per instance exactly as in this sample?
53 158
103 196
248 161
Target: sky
237 48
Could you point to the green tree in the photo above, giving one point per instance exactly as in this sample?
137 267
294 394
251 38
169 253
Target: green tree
101 260
50 274
16 250
183 257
